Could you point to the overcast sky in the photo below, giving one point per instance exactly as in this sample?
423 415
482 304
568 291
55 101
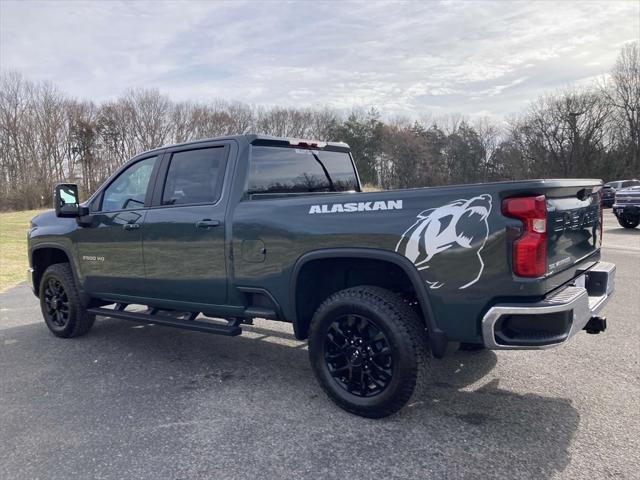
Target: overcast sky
413 59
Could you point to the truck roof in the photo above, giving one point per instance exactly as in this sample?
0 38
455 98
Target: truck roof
252 138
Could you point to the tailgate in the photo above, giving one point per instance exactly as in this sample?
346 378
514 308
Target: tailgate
574 216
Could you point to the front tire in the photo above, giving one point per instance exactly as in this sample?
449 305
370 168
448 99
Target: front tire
60 303
368 350
628 222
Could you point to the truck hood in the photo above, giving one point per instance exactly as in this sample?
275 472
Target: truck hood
45 218
48 219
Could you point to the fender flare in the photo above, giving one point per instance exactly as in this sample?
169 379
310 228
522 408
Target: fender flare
72 264
437 338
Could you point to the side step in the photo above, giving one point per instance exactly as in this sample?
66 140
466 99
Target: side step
232 329
257 312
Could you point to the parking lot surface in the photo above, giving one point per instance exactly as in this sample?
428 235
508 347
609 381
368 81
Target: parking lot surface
132 401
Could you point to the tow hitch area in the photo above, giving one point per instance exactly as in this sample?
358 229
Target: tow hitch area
596 325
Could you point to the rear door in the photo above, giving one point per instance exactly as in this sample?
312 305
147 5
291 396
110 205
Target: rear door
184 231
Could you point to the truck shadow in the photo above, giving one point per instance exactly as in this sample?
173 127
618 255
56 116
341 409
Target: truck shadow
220 396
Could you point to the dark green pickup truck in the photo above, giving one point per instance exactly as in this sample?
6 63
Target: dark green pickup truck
212 234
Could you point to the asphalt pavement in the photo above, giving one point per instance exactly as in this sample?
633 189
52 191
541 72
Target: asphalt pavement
147 402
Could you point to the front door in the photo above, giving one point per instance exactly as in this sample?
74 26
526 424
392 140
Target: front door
184 234
110 249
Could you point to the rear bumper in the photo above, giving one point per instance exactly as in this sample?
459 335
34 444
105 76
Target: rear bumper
552 321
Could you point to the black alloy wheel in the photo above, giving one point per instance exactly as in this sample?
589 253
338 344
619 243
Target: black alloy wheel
56 301
368 350
60 301
358 355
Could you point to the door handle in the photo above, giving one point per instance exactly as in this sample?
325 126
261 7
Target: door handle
131 226
207 223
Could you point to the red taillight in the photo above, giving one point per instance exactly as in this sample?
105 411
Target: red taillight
530 250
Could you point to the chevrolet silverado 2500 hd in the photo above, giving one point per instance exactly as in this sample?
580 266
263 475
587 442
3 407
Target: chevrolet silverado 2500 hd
210 234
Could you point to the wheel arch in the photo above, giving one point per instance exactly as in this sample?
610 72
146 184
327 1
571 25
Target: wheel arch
302 304
46 254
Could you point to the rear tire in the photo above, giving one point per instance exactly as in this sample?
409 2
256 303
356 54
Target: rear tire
60 303
627 222
368 350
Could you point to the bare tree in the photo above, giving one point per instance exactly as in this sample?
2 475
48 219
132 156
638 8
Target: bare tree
46 137
150 114
622 92
564 133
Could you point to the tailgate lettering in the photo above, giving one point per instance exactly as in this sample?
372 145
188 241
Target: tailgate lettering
575 219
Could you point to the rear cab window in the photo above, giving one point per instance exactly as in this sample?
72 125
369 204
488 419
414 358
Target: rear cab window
289 170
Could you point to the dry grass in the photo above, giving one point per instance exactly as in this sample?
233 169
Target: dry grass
13 247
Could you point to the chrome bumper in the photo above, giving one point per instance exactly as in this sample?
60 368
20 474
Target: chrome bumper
578 303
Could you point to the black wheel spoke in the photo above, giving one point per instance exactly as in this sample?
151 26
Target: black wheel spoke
336 372
358 355
381 373
379 337
335 356
353 384
361 325
380 353
335 343
376 381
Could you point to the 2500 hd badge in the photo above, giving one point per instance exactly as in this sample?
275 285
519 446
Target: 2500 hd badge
92 258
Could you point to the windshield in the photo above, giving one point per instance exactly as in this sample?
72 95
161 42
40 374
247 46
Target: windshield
294 170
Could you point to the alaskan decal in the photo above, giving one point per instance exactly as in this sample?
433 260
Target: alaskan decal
461 226
356 207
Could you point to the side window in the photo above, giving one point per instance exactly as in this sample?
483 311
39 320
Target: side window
289 170
128 190
195 176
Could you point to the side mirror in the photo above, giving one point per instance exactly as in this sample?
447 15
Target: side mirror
65 200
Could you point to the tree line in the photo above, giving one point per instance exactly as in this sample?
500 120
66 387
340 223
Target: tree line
593 131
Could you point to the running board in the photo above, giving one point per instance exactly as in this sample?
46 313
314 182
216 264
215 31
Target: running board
232 329
257 312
